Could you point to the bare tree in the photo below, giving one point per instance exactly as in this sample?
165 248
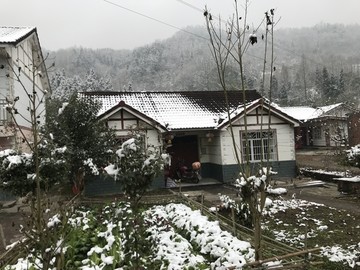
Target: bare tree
41 239
230 43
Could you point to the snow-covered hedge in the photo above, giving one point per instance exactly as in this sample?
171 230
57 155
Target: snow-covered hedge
353 155
176 237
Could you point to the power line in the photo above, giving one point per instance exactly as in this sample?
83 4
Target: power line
276 45
190 5
200 10
154 19
196 35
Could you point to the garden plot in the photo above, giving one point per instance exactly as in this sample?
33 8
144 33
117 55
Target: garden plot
164 237
174 236
301 224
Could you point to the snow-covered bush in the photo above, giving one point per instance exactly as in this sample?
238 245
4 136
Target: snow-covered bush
137 165
353 155
242 211
17 170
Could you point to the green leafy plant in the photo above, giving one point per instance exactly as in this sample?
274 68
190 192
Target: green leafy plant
88 141
136 166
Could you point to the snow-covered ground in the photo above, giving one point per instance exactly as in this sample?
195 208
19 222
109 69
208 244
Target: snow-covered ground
349 255
180 238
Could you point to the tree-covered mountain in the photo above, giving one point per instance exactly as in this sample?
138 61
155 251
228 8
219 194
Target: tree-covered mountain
319 65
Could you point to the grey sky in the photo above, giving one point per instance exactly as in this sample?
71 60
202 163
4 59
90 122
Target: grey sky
100 24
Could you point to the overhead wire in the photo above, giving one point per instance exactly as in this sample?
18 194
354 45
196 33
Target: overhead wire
154 19
196 35
258 57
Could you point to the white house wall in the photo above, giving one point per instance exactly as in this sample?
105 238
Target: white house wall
124 122
284 138
4 88
22 57
210 151
330 128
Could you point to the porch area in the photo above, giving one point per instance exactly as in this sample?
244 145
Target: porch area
172 183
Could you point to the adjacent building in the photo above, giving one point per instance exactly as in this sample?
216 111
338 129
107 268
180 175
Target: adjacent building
22 73
325 126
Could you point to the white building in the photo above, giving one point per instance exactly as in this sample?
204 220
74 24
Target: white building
22 73
325 126
195 126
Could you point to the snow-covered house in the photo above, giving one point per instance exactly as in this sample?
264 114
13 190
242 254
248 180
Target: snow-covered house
195 126
20 58
325 126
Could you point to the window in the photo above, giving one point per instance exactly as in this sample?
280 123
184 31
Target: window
3 112
261 143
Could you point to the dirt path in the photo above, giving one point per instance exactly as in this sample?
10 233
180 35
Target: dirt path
9 228
327 195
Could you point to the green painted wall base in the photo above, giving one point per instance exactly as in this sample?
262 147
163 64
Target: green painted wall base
229 173
101 185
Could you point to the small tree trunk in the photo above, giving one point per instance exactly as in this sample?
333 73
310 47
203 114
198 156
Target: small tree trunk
257 236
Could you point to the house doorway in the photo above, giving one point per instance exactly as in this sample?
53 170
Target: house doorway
184 151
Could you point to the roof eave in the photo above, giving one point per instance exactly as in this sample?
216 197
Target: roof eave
19 40
140 115
257 104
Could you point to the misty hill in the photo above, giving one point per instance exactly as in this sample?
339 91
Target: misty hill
184 62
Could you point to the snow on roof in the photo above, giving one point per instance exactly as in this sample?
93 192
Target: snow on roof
176 110
304 113
354 179
10 34
234 112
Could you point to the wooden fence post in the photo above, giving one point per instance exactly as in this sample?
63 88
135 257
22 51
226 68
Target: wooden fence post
233 220
202 201
2 237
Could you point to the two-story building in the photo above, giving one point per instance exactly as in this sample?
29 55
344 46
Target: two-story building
23 74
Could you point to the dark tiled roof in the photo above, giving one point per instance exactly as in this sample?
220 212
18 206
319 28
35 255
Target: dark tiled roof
178 110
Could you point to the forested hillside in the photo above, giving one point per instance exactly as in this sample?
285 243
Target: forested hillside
318 65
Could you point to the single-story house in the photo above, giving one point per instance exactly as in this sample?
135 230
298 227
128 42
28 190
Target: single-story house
325 126
195 126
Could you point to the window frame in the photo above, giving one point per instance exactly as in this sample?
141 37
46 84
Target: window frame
255 145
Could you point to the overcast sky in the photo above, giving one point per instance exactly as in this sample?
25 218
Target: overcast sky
118 24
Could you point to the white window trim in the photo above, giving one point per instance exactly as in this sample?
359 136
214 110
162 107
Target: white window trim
256 142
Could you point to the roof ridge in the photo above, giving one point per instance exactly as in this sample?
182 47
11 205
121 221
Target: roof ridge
162 92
